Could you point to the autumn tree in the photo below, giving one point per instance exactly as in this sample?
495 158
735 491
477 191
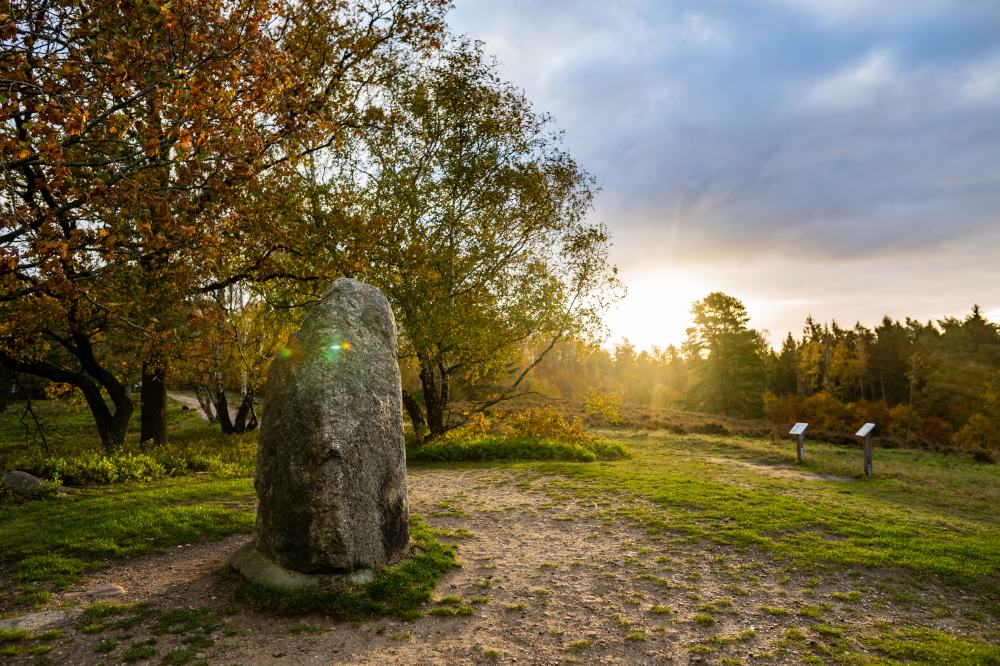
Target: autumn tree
485 248
235 335
726 358
135 140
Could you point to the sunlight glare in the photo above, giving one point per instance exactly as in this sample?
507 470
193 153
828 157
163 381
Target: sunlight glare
656 311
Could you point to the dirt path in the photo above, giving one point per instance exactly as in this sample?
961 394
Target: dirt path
778 471
191 402
555 576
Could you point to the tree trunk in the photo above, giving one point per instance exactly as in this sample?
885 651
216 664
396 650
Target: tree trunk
416 415
111 427
434 380
204 396
245 412
222 411
153 394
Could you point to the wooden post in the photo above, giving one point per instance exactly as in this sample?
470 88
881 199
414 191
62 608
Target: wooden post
800 430
866 432
868 456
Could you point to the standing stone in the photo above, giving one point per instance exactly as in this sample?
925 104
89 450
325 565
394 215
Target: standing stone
331 464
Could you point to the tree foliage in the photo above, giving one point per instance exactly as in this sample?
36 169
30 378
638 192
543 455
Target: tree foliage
135 141
726 358
485 244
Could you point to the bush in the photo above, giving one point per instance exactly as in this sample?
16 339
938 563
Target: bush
92 468
980 433
89 468
492 447
603 408
540 433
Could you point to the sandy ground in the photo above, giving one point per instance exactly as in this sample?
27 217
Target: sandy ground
192 403
565 583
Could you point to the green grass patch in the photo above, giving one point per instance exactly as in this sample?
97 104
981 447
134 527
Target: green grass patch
399 590
178 657
494 447
452 611
139 651
929 646
91 529
774 610
925 512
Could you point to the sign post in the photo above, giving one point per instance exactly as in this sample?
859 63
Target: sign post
800 430
866 432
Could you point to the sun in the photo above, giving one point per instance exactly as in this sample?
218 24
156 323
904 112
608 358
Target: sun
656 311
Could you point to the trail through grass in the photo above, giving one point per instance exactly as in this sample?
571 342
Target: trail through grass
928 513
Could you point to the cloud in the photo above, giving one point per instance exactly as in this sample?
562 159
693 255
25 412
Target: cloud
726 135
860 85
862 11
980 83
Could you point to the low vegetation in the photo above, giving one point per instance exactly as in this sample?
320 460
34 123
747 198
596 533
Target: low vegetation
926 522
749 492
73 455
91 529
541 433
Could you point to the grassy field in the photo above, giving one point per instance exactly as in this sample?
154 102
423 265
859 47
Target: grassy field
920 542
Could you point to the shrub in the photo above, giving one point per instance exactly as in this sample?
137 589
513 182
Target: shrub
980 433
492 447
603 408
231 457
92 468
540 433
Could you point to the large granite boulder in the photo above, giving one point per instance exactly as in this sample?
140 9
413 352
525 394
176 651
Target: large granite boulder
331 464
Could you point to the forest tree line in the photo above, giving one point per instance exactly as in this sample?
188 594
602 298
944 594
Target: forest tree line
926 383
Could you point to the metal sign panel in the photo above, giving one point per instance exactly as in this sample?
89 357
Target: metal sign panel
798 429
865 430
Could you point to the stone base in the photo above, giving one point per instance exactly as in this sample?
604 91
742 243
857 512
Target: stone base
259 568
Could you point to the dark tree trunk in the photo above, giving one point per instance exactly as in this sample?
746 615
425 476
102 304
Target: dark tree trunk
222 411
112 427
246 417
204 396
416 414
153 395
434 380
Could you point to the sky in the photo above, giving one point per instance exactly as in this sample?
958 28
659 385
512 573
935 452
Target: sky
839 158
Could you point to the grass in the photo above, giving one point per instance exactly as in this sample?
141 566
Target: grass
399 590
932 647
91 529
925 519
925 512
